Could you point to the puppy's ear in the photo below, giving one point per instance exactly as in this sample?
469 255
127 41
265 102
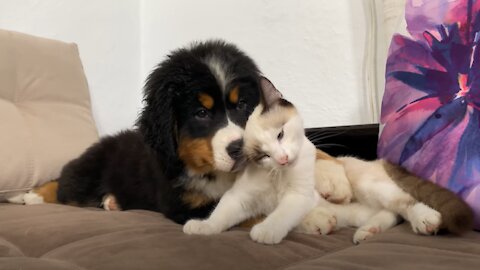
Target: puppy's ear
157 123
270 94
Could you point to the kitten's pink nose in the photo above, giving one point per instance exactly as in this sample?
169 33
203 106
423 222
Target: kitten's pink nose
283 160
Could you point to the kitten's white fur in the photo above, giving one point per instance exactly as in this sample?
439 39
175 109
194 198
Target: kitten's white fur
285 193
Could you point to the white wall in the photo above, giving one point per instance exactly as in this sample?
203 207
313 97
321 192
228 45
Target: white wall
108 37
312 50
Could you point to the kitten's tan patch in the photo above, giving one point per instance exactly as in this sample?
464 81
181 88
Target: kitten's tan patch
206 100
197 154
251 222
196 199
324 156
276 116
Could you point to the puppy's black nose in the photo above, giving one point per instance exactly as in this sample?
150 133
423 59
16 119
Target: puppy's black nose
234 149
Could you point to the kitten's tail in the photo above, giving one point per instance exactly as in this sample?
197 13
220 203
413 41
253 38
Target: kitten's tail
457 216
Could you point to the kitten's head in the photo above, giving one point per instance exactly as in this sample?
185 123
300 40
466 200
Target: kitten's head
274 132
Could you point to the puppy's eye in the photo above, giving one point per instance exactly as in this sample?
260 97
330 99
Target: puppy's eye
280 135
202 113
241 105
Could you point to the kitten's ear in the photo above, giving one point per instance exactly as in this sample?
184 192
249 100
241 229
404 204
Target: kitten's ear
269 92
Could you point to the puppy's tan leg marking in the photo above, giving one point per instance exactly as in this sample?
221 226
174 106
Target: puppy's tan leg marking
46 193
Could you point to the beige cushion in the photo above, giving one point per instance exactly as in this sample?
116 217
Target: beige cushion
54 236
45 115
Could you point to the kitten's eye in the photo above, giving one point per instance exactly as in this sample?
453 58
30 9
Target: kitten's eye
241 105
280 135
263 156
201 113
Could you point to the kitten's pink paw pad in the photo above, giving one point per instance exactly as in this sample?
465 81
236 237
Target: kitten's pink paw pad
332 223
332 183
335 190
431 229
424 220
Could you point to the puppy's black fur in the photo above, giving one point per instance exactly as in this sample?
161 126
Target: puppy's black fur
144 168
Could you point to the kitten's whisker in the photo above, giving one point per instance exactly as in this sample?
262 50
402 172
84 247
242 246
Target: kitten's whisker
317 138
316 135
270 173
320 145
324 135
278 173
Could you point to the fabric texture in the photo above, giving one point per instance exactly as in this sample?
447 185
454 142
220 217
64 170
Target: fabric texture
45 115
431 105
51 236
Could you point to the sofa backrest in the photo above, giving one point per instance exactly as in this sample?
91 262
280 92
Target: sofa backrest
45 112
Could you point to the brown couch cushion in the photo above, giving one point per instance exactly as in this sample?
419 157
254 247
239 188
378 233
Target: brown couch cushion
52 236
45 116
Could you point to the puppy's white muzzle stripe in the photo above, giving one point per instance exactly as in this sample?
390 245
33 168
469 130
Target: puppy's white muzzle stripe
220 142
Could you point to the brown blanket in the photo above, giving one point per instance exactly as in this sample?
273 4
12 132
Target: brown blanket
53 236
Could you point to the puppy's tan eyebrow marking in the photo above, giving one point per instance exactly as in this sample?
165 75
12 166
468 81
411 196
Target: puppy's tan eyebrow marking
206 100
233 95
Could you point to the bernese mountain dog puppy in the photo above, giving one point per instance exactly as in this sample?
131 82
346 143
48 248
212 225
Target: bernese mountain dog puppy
181 157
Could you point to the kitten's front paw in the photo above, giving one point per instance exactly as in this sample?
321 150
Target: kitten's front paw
332 184
318 221
365 232
424 220
197 226
265 234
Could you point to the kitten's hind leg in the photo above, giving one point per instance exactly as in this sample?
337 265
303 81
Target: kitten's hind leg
374 187
327 217
379 222
423 219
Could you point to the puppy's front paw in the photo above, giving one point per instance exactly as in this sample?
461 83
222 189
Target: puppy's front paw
17 198
318 221
110 203
424 220
265 234
197 226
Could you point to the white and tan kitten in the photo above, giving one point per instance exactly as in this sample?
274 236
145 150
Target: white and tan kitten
277 182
